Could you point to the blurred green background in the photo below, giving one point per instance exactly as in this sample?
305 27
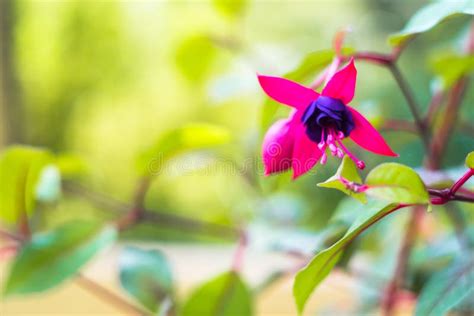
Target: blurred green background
102 80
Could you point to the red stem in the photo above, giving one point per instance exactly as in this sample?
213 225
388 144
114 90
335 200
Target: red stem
390 295
456 186
239 253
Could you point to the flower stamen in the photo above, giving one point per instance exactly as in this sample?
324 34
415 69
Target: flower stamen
359 163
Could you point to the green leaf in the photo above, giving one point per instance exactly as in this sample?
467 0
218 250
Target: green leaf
451 67
179 140
470 160
316 271
226 295
20 170
396 183
195 56
346 176
146 275
50 258
230 8
429 16
447 288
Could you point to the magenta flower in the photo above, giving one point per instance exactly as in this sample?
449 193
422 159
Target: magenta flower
318 121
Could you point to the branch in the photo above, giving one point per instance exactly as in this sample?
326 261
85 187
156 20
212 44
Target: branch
434 106
443 196
136 210
390 295
389 61
458 184
377 58
399 125
443 133
10 236
408 94
239 253
154 216
190 225
108 296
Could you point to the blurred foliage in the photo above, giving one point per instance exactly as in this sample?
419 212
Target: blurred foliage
20 171
429 16
225 295
50 258
321 265
109 86
453 284
146 275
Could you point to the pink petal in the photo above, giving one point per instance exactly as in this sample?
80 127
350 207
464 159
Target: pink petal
305 152
277 147
287 92
342 85
367 137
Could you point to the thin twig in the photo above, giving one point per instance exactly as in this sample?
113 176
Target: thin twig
135 213
381 59
443 133
443 196
239 252
458 184
153 216
434 107
108 296
399 125
190 225
389 299
10 236
409 97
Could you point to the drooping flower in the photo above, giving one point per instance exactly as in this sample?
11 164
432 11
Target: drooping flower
317 122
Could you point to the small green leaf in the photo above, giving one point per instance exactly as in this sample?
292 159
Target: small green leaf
346 176
470 160
49 259
230 8
429 16
146 275
450 67
179 140
447 288
396 183
316 271
20 170
226 295
194 58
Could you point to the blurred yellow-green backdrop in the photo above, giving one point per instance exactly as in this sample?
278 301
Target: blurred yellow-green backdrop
99 82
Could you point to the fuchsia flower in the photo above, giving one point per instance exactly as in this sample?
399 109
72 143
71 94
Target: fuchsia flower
318 121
